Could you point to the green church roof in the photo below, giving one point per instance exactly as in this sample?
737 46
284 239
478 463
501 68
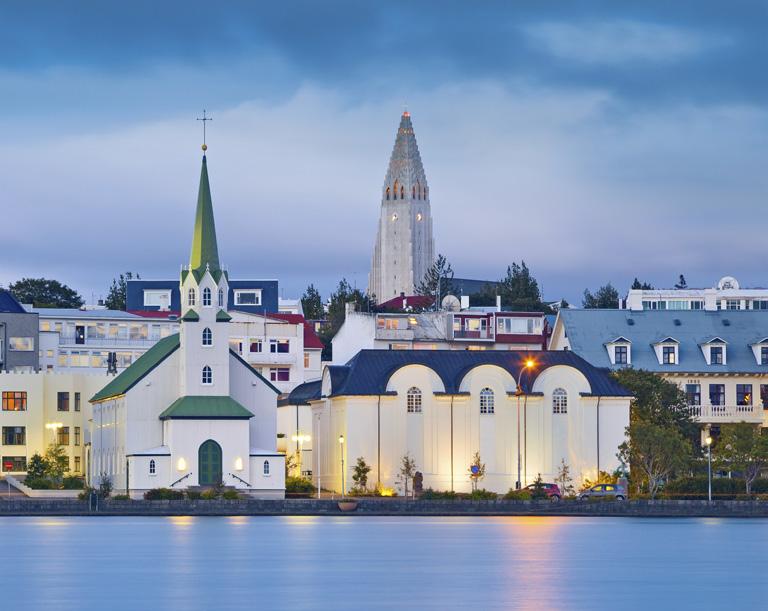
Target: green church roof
196 407
222 316
190 316
205 252
140 368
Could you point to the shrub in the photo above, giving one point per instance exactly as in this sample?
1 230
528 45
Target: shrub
193 495
210 494
121 497
40 483
482 494
105 486
163 494
298 485
517 495
73 482
698 485
436 495
85 494
380 490
230 495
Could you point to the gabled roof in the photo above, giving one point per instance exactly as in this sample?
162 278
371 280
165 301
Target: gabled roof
139 369
759 341
222 316
205 408
9 304
715 340
667 340
190 316
619 340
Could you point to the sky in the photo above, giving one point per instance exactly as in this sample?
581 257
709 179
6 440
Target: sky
597 141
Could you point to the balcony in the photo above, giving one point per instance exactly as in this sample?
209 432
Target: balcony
474 335
271 358
727 414
107 342
395 334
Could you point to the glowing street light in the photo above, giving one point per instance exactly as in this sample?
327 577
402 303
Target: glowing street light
54 427
529 364
299 439
708 442
341 445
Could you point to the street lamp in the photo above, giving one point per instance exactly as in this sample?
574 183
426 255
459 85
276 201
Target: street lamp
54 426
529 364
341 445
299 439
708 441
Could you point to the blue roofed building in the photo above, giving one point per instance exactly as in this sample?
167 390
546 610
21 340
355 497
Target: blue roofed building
19 347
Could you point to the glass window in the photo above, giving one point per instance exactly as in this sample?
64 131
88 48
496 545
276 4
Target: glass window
62 401
279 345
221 298
266 467
697 305
306 360
207 337
14 401
487 401
206 297
620 355
764 355
77 435
559 401
256 345
14 436
764 395
715 355
138 331
62 436
733 304
669 354
279 374
743 394
77 401
693 394
413 400
207 375
21 344
191 297
248 297
152 466
157 298
77 464
760 304
236 345
12 464
717 394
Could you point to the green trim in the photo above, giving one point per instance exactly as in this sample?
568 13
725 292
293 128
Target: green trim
139 369
253 371
191 316
207 408
222 316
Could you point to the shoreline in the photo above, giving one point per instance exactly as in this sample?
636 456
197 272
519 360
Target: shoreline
388 507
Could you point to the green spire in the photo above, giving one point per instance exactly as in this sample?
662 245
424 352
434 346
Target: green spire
205 252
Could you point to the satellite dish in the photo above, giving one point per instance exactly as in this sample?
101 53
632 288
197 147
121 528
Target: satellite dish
728 282
451 303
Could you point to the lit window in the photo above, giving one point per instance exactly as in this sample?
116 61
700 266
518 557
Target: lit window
206 297
669 355
306 360
207 337
418 216
62 402
191 297
207 375
487 401
266 467
743 394
559 401
413 400
152 469
21 344
248 297
14 401
394 217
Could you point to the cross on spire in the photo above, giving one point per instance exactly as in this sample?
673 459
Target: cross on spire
204 119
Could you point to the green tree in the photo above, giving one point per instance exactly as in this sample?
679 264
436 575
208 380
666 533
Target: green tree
37 468
105 486
519 291
655 451
537 491
564 480
644 286
681 283
743 448
360 474
43 293
407 472
606 297
56 461
337 311
438 281
119 290
312 304
476 470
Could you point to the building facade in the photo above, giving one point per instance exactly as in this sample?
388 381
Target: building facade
19 342
726 295
404 249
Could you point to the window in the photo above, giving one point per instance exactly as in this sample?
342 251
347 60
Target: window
221 298
248 297
14 401
717 394
620 355
207 375
413 400
764 395
693 394
510 325
14 463
743 394
206 297
236 345
697 305
486 401
62 436
387 192
669 355
191 297
279 374
279 345
266 467
306 360
62 402
760 304
733 304
77 401
715 355
21 344
559 401
157 298
14 436
256 345
77 435
207 337
152 467
77 464
764 355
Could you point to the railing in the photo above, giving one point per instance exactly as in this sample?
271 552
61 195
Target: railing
241 480
478 334
726 413
72 340
181 479
395 334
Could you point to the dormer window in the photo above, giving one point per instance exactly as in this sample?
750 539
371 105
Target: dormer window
620 355
619 351
669 355
715 351
715 355
760 351
667 351
764 355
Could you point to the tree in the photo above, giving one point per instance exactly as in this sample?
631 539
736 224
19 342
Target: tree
312 304
476 470
681 283
537 491
105 486
407 471
56 461
291 463
337 311
360 474
37 468
605 297
43 293
118 291
656 451
563 479
438 281
644 286
742 448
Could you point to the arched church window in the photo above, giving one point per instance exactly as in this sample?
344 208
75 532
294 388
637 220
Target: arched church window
207 337
487 401
559 401
191 297
394 194
221 298
266 467
387 192
152 467
207 375
402 192
413 192
206 297
413 400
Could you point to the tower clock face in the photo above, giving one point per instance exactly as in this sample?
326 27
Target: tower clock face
418 216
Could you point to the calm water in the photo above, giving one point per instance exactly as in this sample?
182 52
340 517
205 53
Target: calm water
382 563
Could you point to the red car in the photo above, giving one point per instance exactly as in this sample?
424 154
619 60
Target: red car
551 490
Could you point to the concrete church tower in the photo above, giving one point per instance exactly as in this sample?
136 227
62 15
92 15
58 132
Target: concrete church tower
404 248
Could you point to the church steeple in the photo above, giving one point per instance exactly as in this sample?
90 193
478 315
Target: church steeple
205 252
405 176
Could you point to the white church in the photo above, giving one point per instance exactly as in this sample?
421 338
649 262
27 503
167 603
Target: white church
191 412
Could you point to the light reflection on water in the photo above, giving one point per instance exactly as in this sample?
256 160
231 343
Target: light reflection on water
360 562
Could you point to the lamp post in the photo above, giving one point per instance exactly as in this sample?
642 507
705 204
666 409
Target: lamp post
529 363
341 445
708 442
299 439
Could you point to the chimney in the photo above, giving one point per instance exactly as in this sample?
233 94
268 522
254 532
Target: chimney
405 301
465 302
498 303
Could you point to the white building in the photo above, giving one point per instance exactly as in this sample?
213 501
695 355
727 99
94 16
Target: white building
441 407
404 248
727 295
190 411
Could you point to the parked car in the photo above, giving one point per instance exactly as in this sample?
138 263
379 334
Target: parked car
552 491
604 491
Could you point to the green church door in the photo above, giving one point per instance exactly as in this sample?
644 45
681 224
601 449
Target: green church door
209 463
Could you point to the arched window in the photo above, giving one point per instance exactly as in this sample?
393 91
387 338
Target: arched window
559 401
387 192
221 298
266 467
207 375
191 297
413 400
402 192
206 297
413 192
207 337
418 189
394 194
152 467
487 401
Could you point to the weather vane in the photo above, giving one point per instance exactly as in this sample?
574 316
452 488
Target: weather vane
204 119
